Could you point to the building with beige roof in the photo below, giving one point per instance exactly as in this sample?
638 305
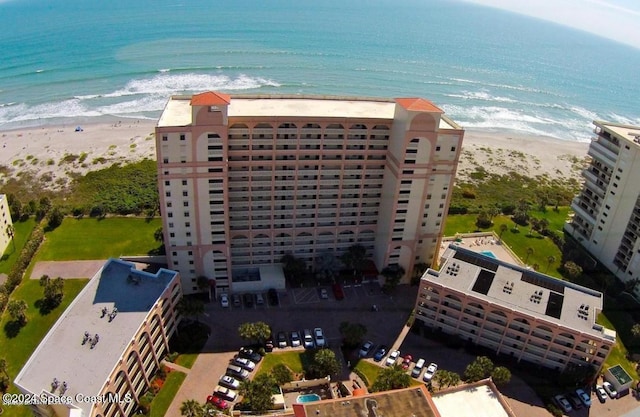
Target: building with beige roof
513 310
6 224
607 210
101 354
244 180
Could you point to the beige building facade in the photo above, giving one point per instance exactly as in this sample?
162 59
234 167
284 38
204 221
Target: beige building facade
244 180
100 356
513 311
607 210
6 224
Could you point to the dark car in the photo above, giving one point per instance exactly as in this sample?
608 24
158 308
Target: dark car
235 298
380 352
575 401
272 295
282 340
338 292
248 300
249 354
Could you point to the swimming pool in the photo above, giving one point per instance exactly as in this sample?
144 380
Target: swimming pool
489 254
307 398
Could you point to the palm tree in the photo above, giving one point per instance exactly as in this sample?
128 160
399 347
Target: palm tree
529 253
18 311
551 259
354 258
191 408
503 228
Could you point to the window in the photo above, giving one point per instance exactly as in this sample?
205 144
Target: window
186 214
185 203
167 183
182 137
170 225
172 234
165 138
188 234
437 148
169 204
169 214
453 149
184 182
185 194
165 160
168 193
187 224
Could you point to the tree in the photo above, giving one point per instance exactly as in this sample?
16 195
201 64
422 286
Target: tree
158 235
190 307
282 374
191 408
635 330
544 226
257 332
530 252
572 270
204 285
479 369
354 258
53 291
550 259
483 220
18 311
501 375
54 218
43 208
4 375
446 379
15 207
324 363
390 378
392 275
352 333
327 264
419 269
294 269
258 394
503 228
521 213
11 232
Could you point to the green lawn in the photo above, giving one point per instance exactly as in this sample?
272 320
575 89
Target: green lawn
162 401
11 254
90 238
186 359
618 355
17 350
369 370
519 239
293 360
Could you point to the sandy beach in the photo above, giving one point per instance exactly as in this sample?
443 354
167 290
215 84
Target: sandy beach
59 152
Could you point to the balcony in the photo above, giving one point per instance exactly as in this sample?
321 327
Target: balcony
602 153
583 212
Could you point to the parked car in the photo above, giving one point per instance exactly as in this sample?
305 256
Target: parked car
406 361
584 397
250 354
323 293
307 339
248 300
601 394
224 300
244 363
365 349
321 342
338 292
217 402
610 390
393 357
272 296
380 352
430 372
235 298
575 401
282 340
259 299
226 393
563 403
295 339
229 382
237 372
415 372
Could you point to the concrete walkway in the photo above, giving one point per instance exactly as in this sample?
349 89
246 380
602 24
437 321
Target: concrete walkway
175 367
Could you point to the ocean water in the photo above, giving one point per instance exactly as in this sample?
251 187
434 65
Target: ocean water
76 61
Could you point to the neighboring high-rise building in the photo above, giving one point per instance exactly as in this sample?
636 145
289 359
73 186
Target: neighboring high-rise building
607 211
6 224
246 180
514 311
102 353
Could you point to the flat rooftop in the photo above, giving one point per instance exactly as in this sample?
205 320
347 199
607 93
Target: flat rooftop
407 402
177 111
478 400
62 354
629 132
520 289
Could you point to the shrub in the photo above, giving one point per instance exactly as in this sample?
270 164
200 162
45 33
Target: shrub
555 411
468 193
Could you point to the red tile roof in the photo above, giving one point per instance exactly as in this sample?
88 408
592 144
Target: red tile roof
418 104
210 98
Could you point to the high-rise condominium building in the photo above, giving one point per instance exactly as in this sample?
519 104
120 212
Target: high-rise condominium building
6 225
607 210
245 180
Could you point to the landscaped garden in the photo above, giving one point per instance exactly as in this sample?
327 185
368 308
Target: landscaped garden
22 230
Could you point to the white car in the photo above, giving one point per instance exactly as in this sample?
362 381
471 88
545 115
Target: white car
224 300
563 403
245 363
229 382
321 342
324 294
392 358
430 372
226 393
610 390
601 393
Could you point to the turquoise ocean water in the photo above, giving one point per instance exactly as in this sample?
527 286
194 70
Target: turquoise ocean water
76 61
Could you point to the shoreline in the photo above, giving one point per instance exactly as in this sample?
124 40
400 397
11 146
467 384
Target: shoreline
58 152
